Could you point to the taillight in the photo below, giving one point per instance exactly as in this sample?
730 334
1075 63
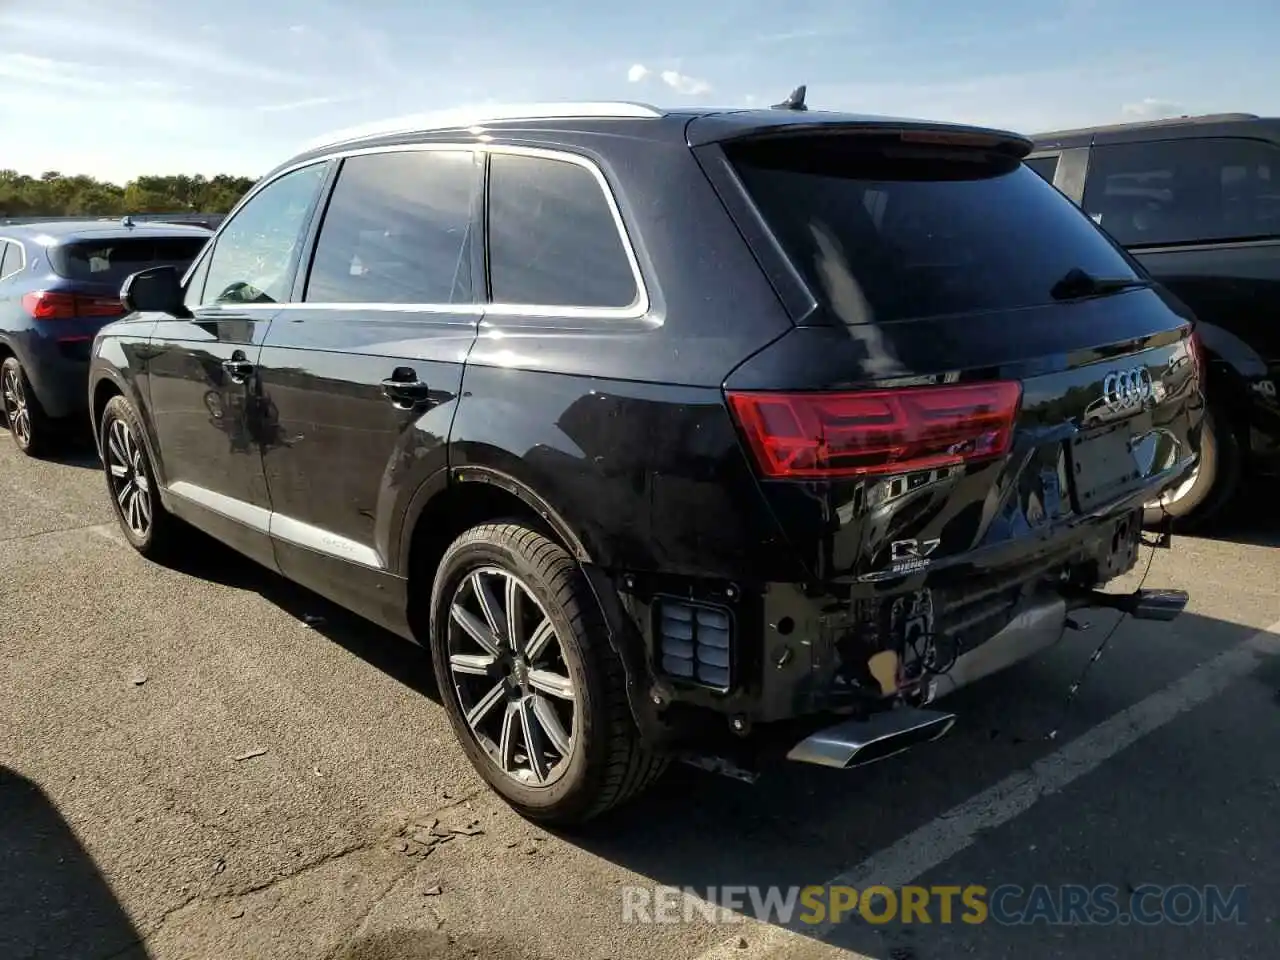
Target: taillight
50 305
825 435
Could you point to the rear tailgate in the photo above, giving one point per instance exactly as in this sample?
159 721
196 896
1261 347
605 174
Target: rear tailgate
934 266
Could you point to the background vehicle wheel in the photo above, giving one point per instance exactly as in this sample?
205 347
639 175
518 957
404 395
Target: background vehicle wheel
31 430
131 482
1204 494
533 690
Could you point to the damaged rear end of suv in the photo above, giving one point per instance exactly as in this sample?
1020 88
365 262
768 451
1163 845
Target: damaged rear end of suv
955 439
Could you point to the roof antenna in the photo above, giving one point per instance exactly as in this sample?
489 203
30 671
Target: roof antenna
793 102
126 221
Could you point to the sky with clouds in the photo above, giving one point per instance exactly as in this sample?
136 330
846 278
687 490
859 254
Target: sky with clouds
233 86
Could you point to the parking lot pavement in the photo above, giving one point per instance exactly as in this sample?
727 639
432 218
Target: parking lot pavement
213 763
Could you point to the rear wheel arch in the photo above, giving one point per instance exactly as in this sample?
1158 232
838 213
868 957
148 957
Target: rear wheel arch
446 506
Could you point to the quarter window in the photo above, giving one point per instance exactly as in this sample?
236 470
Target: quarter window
1179 191
253 255
12 259
1045 166
553 238
398 230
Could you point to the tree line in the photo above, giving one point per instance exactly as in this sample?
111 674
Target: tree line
53 195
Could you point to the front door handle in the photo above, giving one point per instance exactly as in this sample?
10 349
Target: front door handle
404 389
239 370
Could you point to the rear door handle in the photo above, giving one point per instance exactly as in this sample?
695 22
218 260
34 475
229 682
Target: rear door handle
239 370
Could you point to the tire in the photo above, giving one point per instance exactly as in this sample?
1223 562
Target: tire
1215 481
135 494
30 427
605 763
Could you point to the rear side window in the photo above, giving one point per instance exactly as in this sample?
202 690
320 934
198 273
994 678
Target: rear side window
1045 166
397 230
111 260
1185 191
553 238
10 258
885 231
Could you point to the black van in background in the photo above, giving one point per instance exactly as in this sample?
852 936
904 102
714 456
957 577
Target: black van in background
1197 201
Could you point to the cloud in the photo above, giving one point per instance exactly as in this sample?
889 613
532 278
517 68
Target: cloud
298 28
306 104
682 83
143 45
677 81
1152 108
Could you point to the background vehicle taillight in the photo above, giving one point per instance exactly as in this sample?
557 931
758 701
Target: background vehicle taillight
49 305
827 435
1195 346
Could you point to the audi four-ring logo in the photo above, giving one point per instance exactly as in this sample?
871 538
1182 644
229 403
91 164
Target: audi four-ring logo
1125 389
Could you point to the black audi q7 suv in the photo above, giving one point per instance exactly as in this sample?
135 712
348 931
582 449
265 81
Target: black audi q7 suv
725 436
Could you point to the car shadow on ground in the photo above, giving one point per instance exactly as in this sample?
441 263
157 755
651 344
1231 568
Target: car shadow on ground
54 902
398 658
1254 519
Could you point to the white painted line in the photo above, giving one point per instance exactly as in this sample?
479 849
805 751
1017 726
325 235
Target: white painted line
947 835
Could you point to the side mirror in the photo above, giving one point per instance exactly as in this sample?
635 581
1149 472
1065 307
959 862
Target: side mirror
154 290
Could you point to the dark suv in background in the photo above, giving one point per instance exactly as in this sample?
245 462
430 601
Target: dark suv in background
714 434
59 284
1197 202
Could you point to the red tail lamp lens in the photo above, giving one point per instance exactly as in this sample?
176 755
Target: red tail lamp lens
826 435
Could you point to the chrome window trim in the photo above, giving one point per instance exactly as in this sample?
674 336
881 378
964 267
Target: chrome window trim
638 308
21 246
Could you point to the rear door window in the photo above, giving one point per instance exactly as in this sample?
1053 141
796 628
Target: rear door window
7 267
111 260
1185 191
886 231
398 230
553 237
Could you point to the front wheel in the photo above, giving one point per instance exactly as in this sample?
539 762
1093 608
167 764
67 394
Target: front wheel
131 482
533 690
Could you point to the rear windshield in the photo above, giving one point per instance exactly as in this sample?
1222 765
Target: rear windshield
885 231
111 260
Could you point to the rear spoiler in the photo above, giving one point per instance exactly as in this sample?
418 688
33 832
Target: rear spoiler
753 125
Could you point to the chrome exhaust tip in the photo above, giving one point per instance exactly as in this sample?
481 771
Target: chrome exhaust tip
856 743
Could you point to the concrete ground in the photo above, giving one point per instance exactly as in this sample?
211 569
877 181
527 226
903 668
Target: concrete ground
212 763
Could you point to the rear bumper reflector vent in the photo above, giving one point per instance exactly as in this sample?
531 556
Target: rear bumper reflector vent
694 642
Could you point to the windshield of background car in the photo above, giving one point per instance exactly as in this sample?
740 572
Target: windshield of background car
886 231
111 260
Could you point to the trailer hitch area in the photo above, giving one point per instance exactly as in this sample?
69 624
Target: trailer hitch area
1163 605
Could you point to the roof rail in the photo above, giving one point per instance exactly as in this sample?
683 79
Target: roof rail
492 113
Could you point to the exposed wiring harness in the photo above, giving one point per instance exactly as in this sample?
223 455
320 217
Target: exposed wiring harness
1074 689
